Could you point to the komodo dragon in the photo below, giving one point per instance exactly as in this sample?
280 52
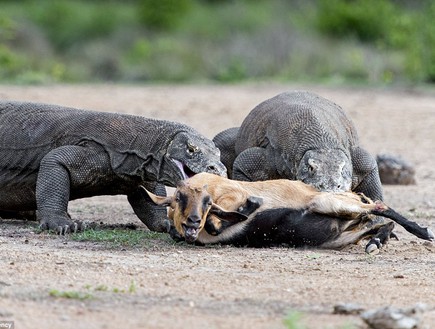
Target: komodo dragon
51 154
300 136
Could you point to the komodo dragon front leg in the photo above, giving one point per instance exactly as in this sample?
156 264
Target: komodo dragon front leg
365 177
154 217
225 142
71 172
66 173
253 164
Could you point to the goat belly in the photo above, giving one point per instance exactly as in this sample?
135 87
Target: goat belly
284 226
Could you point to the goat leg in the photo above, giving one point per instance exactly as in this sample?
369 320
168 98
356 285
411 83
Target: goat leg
381 237
411 226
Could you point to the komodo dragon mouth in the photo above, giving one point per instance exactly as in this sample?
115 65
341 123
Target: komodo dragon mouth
184 169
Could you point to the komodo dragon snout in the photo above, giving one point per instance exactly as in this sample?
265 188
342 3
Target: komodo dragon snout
328 170
193 154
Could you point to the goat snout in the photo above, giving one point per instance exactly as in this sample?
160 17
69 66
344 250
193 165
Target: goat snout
191 228
194 221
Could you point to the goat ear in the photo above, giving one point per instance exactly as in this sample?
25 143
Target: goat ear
158 200
227 216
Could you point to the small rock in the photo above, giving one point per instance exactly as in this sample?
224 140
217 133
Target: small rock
394 170
399 276
5 314
391 318
348 309
428 244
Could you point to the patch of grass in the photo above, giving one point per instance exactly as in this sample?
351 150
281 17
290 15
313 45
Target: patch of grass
70 294
293 320
78 295
132 287
116 238
313 256
348 326
102 287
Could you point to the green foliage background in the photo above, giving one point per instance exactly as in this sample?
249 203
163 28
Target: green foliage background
340 41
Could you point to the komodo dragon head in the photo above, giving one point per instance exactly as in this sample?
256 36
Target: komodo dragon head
189 154
328 170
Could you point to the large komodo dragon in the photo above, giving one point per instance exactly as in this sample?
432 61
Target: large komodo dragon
300 136
51 154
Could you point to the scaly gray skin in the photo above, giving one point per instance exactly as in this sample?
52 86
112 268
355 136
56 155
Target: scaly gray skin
51 154
300 136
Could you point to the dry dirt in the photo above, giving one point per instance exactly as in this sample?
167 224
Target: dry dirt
167 285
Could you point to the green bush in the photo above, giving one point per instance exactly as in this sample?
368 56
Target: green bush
368 20
70 22
162 14
420 46
7 28
369 41
10 63
389 27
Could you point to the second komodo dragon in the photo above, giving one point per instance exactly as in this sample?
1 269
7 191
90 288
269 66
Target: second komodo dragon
51 154
300 136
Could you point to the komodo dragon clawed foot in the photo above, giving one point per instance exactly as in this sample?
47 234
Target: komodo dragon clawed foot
61 224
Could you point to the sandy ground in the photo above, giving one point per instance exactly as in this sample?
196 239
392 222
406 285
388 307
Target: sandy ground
167 285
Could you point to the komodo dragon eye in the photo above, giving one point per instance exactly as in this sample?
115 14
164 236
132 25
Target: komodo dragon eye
192 148
312 166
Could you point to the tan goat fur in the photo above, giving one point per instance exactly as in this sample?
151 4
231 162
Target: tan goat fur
230 195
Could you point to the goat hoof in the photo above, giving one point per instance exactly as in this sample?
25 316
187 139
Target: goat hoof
372 248
431 236
394 236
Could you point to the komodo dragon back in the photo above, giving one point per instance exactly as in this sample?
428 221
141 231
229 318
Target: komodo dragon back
305 120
